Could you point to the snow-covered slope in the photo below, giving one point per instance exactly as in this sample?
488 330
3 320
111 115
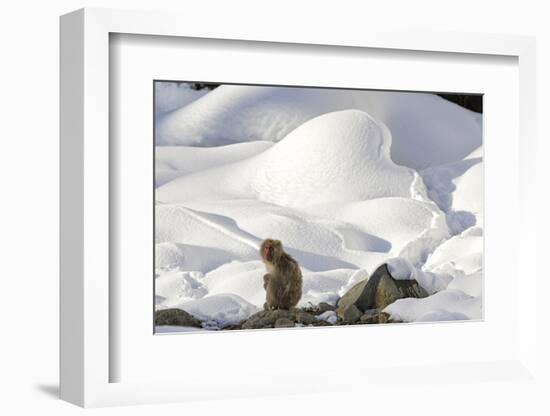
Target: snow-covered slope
233 113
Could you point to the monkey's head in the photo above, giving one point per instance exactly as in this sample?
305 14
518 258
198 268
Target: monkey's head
271 250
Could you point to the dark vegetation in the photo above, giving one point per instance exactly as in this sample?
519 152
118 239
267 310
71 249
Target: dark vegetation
473 102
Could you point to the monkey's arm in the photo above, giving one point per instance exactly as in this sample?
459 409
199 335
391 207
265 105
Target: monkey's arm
266 280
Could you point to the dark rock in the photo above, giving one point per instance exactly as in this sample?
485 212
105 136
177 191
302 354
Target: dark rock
380 290
176 317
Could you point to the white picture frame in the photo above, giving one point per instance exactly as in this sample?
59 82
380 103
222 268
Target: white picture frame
86 353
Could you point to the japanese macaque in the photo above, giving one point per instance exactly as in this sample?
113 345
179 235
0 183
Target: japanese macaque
283 281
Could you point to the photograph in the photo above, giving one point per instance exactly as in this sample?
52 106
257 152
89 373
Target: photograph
282 206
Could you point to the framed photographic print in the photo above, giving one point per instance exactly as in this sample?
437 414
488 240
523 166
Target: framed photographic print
227 198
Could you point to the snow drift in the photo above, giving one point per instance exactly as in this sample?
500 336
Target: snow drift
427 129
342 156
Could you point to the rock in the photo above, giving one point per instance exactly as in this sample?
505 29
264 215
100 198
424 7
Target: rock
357 296
176 317
380 290
283 323
388 289
232 327
318 309
269 319
350 313
375 317
325 307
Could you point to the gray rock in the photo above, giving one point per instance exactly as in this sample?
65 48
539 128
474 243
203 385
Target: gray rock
283 323
375 317
380 290
324 307
350 314
388 290
357 296
318 309
269 319
176 317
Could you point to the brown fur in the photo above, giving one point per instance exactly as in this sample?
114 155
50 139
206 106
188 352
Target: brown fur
283 281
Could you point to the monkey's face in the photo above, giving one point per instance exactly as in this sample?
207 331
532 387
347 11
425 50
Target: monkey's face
269 250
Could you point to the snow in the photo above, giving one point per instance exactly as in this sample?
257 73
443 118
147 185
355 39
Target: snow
170 96
176 286
471 284
347 180
174 161
236 113
402 269
329 316
457 188
170 329
219 310
444 305
306 167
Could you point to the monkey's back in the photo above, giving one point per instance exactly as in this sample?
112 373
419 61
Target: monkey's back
288 283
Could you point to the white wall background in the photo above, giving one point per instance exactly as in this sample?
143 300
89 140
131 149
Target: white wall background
29 183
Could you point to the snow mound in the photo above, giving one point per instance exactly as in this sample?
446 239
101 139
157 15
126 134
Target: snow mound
220 310
471 284
343 244
341 156
189 257
177 286
178 224
174 161
444 305
457 188
241 278
324 286
236 113
414 228
170 96
402 269
461 253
